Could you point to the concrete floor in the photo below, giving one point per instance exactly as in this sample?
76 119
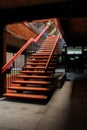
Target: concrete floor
66 110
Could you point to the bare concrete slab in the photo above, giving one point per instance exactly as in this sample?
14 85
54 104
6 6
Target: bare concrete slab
66 110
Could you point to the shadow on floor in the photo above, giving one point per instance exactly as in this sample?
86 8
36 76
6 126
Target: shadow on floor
78 105
67 108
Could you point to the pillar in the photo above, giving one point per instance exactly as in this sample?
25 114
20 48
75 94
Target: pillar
2 60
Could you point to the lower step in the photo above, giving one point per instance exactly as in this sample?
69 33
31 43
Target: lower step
29 88
36 72
34 76
31 82
25 96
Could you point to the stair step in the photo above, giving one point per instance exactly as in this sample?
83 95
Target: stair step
30 63
25 96
33 64
37 67
40 60
29 88
34 67
43 53
36 54
49 41
42 57
35 58
44 50
36 72
39 56
34 76
31 82
47 47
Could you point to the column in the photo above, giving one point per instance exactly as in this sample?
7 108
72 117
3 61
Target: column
2 60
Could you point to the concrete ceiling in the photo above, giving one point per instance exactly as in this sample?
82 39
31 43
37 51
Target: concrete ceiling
14 41
75 31
71 14
22 3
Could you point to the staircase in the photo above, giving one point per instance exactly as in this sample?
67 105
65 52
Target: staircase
35 81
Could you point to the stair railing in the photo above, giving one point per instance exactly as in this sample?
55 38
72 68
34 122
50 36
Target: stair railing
51 54
14 65
7 65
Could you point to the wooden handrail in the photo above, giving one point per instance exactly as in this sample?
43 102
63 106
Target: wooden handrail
6 66
46 67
